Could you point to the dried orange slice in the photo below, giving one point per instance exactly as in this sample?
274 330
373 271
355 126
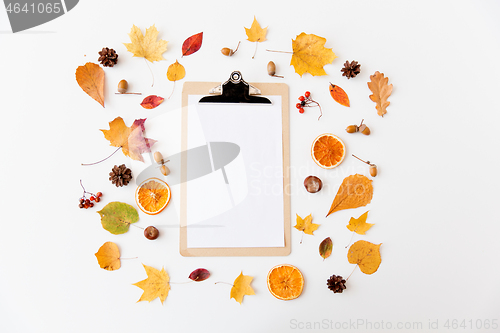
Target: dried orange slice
328 151
152 196
285 282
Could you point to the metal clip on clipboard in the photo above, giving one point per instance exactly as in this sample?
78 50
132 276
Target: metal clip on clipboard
235 90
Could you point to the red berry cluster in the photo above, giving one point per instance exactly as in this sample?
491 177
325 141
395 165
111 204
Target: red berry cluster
306 101
88 202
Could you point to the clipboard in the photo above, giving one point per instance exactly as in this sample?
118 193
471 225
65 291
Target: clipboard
236 94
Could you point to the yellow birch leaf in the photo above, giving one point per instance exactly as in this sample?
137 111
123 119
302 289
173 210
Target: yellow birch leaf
381 91
366 255
310 55
176 72
359 225
156 285
146 45
256 33
306 225
108 256
355 191
241 287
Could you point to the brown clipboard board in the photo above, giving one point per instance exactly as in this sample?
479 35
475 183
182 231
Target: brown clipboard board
267 89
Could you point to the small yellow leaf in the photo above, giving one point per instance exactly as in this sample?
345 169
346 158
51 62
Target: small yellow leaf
310 54
366 255
156 285
146 45
306 225
359 225
108 256
256 33
176 72
241 287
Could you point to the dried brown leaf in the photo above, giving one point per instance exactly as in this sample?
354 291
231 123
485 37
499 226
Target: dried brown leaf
381 91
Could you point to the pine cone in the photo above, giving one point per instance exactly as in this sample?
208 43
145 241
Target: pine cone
351 69
336 283
108 57
120 175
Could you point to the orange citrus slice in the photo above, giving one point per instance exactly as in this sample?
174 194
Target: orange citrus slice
328 151
285 282
152 196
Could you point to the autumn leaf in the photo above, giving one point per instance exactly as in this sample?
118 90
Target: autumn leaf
130 139
176 72
152 101
256 34
241 287
108 256
199 274
192 44
339 95
90 78
359 225
116 217
306 225
325 248
355 191
146 46
366 255
156 285
310 55
381 91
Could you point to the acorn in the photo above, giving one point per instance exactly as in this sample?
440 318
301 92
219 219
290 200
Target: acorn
373 167
159 159
361 128
122 86
166 171
229 52
271 69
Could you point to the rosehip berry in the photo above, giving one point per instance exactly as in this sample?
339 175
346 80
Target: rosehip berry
92 198
97 199
98 194
301 98
307 94
298 105
301 110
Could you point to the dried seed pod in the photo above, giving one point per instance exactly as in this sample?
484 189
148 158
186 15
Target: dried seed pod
164 170
229 52
313 184
122 86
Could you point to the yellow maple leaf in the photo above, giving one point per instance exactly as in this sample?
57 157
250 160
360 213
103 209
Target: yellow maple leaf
381 91
146 45
256 33
366 255
306 224
359 225
108 256
241 287
156 285
355 191
310 54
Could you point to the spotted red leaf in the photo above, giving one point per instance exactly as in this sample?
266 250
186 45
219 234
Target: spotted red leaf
192 44
152 101
199 274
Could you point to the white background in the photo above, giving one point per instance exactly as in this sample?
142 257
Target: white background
433 204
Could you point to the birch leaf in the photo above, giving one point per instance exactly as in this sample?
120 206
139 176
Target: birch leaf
108 256
366 255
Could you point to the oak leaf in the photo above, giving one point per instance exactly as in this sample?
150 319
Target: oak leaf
366 255
90 78
256 33
241 287
339 95
176 72
156 285
381 91
146 46
306 225
152 101
116 217
192 44
310 55
359 225
130 139
355 191
326 248
108 256
199 274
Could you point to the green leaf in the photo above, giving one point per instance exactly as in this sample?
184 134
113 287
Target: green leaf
325 248
116 217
